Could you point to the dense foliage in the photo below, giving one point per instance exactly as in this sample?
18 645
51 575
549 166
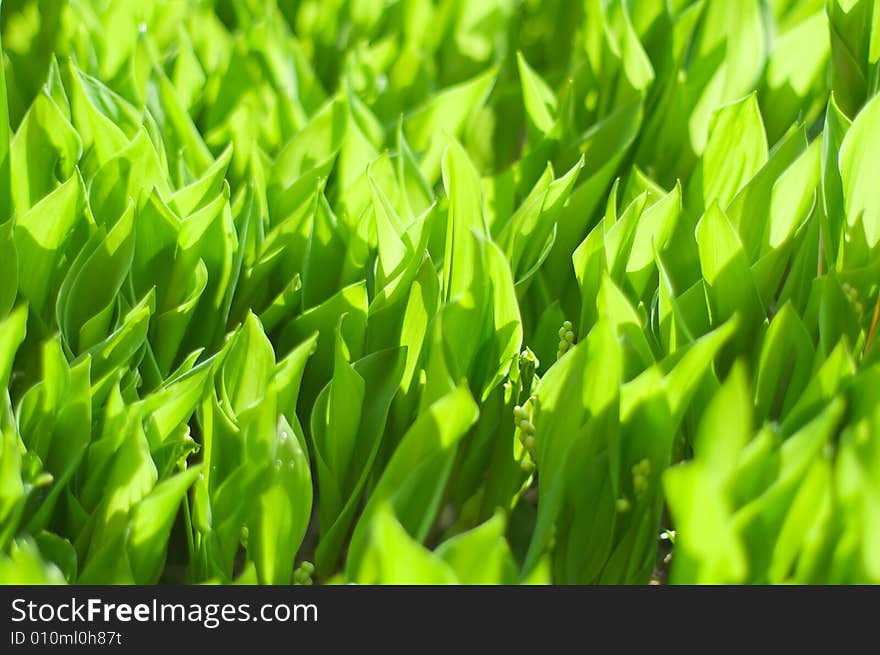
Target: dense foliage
439 291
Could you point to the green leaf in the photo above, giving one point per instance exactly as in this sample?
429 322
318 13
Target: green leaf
748 211
351 300
730 287
283 510
858 156
604 147
852 49
653 232
58 551
426 447
760 522
181 135
532 230
42 238
8 267
462 185
6 204
391 556
55 423
481 555
708 548
540 101
785 364
341 487
248 366
198 194
834 213
12 332
335 421
445 113
103 120
320 139
584 383
86 298
24 565
151 524
735 151
795 72
43 153
129 175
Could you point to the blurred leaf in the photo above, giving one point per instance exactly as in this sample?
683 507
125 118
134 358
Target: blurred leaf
391 556
480 556
857 157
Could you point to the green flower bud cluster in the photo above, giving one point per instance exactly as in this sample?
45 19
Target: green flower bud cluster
566 339
852 295
525 431
641 472
641 475
302 575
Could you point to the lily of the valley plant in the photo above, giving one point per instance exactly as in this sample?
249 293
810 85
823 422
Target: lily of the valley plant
408 291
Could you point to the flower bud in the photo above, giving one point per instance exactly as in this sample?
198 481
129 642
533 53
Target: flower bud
640 483
642 467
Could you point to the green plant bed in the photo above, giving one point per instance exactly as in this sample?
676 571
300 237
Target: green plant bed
402 291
